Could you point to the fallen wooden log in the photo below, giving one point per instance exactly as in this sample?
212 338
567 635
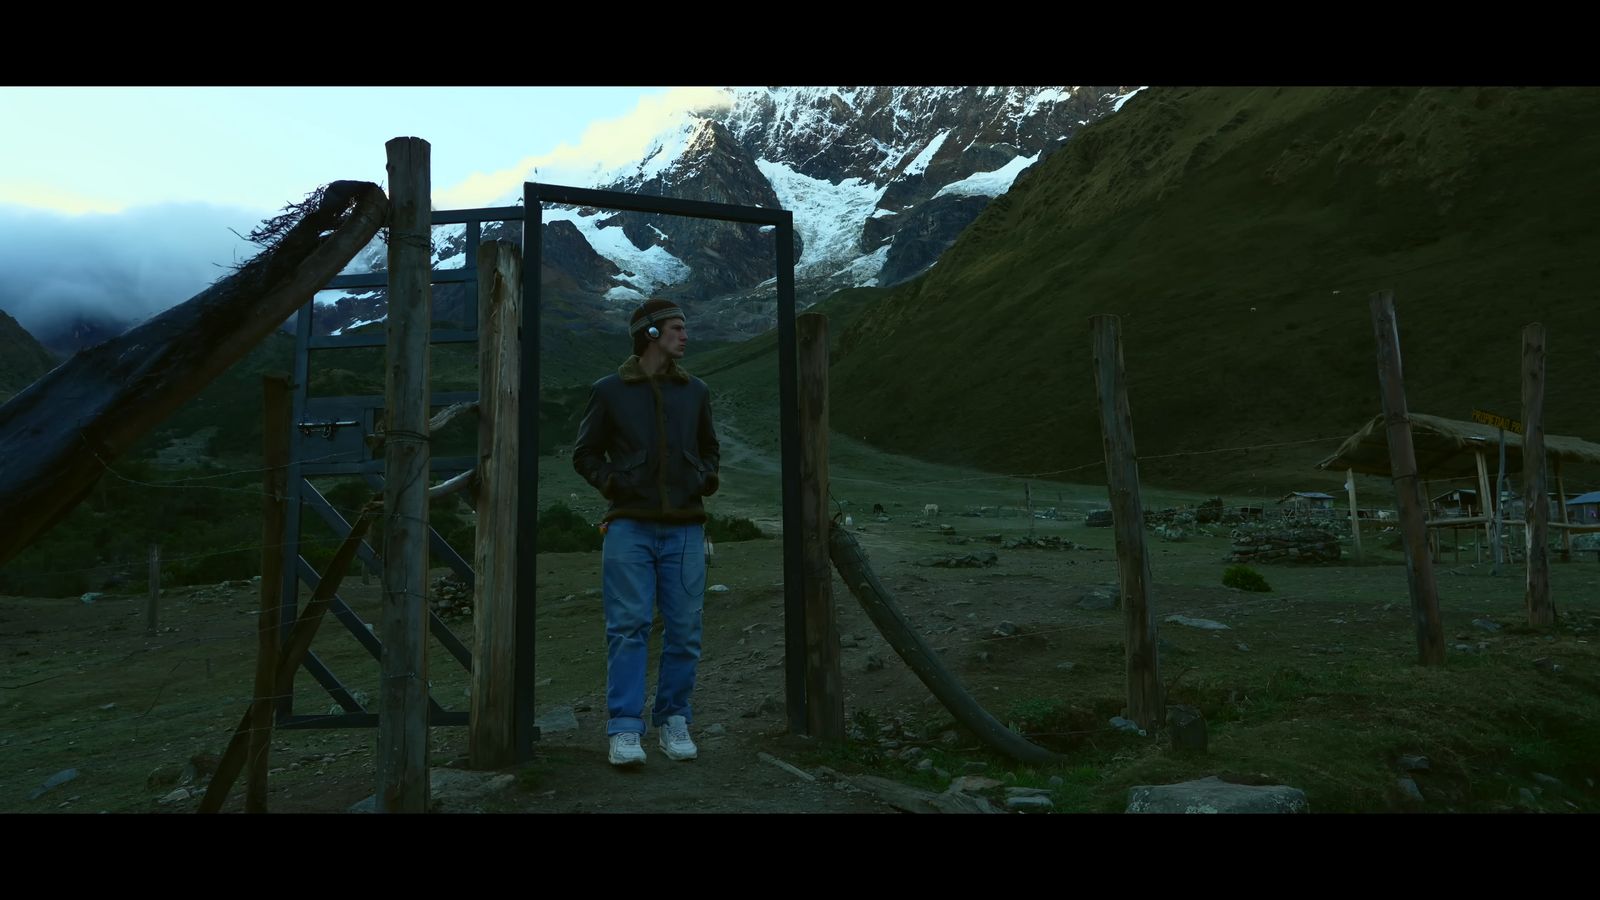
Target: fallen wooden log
880 608
60 434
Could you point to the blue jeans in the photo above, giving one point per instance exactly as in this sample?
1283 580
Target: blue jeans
646 565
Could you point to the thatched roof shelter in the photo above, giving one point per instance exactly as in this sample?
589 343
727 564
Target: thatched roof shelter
1448 448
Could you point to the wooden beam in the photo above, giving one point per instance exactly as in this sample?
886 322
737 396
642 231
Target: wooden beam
402 765
290 655
492 722
1141 656
455 410
1535 493
1355 518
1403 464
61 433
923 660
824 683
1566 535
466 481
1486 501
1499 512
275 424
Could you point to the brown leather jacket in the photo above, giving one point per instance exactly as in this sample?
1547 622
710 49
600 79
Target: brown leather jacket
647 444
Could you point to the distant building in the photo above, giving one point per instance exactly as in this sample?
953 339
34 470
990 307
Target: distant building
1585 509
1456 504
1306 503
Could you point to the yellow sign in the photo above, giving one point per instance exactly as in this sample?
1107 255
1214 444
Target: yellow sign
1488 418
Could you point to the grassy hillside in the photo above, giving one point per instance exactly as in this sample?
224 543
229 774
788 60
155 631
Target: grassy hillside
1239 233
22 358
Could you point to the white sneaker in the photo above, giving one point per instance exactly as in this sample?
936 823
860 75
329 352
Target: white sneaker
675 742
626 750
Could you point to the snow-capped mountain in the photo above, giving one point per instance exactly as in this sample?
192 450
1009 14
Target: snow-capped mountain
880 181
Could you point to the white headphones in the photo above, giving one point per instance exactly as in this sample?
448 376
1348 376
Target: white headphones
648 323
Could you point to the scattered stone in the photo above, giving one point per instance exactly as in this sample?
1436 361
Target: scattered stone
1549 781
1066 666
972 784
557 720
718 588
1057 781
1029 802
1242 647
1213 795
1026 792
91 597
1005 629
1413 763
1409 790
1099 598
1205 624
924 764
1546 664
177 796
1527 797
874 662
970 561
1486 624
973 766
53 782
1128 725
717 730
983 656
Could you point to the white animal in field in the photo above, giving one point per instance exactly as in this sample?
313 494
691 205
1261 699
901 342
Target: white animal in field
930 510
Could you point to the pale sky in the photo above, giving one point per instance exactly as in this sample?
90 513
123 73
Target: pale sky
76 150
127 198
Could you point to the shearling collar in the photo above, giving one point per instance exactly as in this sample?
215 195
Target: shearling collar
631 371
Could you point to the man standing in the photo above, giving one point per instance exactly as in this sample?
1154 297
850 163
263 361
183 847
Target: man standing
646 443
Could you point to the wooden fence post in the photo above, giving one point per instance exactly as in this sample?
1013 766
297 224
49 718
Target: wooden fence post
1536 497
1408 492
402 765
1146 705
1566 518
275 424
1355 517
492 742
824 684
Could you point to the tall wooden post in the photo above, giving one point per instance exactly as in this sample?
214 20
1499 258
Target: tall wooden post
1486 503
1146 705
1408 491
152 605
275 423
402 767
1355 516
1536 496
1566 520
824 684
492 742
1499 513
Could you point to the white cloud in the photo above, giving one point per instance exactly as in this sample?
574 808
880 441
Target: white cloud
126 266
604 146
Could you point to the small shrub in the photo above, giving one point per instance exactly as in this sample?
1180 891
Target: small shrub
1245 579
722 530
561 530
